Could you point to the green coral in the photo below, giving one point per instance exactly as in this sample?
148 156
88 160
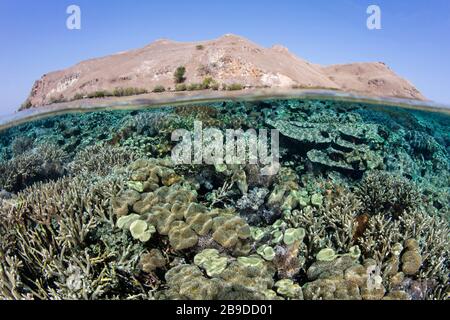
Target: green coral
267 252
293 235
141 230
289 289
211 261
327 254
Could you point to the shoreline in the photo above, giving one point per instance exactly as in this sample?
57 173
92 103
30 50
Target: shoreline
154 100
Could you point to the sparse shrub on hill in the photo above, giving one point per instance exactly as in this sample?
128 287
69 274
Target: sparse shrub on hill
214 86
123 92
58 99
180 74
100 94
210 83
159 89
78 96
234 87
180 87
194 87
26 105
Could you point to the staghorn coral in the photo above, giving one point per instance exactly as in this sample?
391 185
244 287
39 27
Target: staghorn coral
384 192
67 244
332 225
100 159
21 145
42 163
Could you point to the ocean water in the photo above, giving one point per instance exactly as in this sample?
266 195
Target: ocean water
270 199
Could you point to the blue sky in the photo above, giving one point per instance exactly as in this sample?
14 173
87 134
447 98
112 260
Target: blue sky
414 41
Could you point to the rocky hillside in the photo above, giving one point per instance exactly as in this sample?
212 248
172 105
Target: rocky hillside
228 60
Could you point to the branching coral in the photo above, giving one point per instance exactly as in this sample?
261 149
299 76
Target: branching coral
384 192
100 159
64 245
42 163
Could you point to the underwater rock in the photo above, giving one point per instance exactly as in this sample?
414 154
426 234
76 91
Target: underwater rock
288 260
397 295
252 207
417 289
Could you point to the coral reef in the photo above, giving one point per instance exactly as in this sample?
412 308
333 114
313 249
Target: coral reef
93 207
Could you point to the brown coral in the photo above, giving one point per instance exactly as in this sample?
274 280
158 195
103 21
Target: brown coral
411 259
152 261
229 230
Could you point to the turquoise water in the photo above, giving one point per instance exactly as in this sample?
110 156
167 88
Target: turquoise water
93 207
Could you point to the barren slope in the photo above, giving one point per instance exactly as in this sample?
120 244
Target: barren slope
228 59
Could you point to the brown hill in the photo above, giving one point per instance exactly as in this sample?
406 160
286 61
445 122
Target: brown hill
228 59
